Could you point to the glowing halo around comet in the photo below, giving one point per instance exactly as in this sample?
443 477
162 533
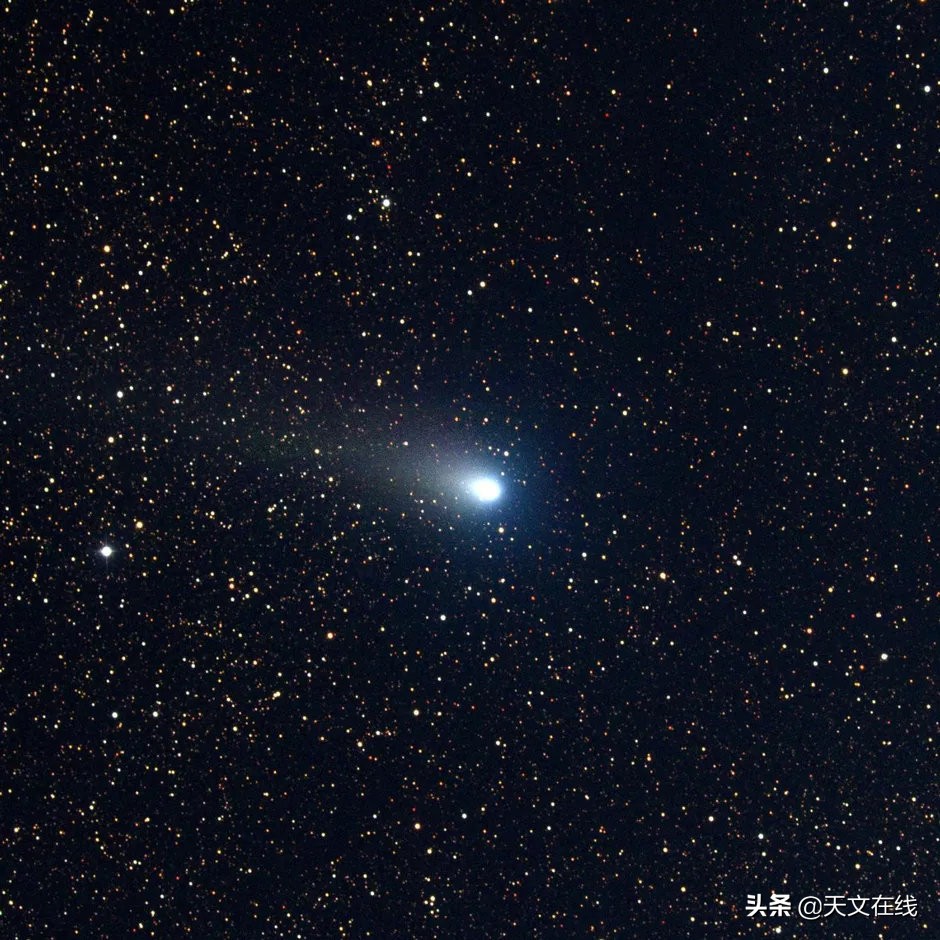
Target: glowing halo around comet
485 489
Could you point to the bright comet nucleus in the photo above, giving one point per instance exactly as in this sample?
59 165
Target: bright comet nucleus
485 489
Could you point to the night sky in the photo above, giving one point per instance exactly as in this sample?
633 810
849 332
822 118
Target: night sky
469 469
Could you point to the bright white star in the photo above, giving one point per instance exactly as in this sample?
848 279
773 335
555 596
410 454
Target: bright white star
486 489
107 551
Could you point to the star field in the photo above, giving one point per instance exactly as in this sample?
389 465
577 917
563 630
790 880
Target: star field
469 470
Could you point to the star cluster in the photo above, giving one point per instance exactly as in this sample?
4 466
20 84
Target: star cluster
468 469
